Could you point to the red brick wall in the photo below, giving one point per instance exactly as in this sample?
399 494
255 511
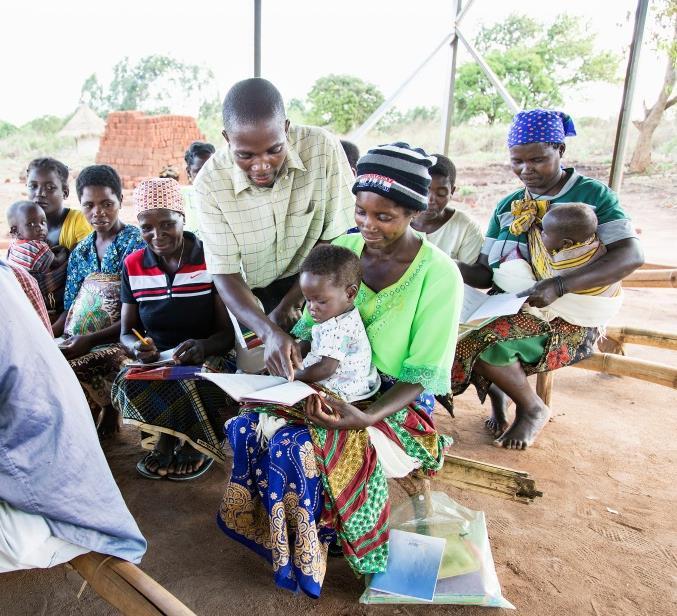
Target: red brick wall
140 146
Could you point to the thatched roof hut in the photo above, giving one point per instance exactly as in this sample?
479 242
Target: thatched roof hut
84 123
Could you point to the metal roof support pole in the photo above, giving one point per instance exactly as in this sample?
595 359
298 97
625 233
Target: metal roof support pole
371 121
448 103
257 38
624 116
500 88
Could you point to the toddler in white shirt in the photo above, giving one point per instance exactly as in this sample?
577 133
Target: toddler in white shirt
340 354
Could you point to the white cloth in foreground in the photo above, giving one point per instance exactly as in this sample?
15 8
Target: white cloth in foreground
395 462
515 275
51 463
26 542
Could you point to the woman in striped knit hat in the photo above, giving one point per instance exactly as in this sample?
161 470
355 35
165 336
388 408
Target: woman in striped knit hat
321 477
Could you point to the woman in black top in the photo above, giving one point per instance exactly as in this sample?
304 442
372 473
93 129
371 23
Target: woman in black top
168 296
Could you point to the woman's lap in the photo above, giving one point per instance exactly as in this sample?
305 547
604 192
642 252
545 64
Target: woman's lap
192 409
280 486
274 502
539 345
96 372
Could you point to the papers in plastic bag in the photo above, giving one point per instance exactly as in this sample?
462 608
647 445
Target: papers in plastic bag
467 575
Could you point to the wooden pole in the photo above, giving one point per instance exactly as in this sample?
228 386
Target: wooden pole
657 278
126 587
624 116
618 365
645 337
544 385
500 481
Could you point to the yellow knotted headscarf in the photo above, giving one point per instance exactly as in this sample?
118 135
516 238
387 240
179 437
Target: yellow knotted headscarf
525 212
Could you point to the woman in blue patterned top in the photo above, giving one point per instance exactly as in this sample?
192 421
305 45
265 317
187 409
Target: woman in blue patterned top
90 322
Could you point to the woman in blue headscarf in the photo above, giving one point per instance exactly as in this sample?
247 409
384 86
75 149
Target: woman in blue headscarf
498 357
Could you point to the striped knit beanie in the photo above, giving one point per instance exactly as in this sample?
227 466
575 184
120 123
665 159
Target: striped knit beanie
398 172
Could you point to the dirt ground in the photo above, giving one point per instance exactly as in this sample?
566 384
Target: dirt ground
601 541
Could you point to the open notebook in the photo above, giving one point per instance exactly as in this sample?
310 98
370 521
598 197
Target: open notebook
260 388
478 308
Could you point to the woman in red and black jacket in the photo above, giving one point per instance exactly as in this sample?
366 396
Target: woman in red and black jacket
168 295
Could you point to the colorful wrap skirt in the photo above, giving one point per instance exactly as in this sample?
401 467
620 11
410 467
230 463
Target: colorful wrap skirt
289 498
191 409
539 346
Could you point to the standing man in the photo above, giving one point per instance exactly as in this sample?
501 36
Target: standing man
264 202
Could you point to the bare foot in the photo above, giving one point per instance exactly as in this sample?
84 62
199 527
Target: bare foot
524 430
498 422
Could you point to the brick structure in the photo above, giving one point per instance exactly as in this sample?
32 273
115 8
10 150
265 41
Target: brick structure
141 146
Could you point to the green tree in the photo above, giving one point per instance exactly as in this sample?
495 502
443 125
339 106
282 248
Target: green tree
341 102
151 85
665 40
296 111
47 124
534 62
92 95
7 129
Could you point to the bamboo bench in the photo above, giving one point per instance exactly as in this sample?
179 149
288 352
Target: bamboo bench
126 587
611 359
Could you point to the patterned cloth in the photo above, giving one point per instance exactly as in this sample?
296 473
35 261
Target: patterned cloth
546 265
194 410
158 193
52 285
562 343
344 339
96 307
540 126
31 255
267 232
32 291
526 212
84 261
288 500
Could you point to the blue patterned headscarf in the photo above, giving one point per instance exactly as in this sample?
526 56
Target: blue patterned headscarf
540 126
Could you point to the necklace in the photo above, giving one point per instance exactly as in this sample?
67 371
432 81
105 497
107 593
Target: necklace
528 195
178 267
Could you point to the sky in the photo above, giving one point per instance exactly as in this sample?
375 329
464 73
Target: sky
48 49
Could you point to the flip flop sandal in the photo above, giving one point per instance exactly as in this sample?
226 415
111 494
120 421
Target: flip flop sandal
191 457
163 459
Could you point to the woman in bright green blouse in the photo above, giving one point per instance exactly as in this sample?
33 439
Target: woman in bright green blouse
322 474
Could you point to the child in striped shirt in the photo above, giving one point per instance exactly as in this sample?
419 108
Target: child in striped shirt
28 227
